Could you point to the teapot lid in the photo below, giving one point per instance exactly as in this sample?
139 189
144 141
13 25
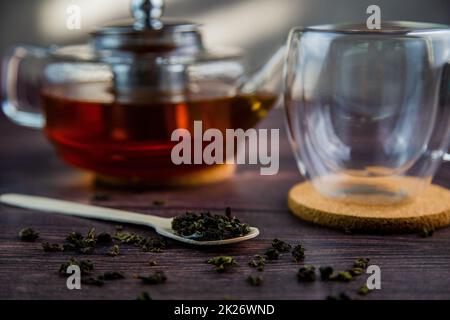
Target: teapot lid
149 33
150 53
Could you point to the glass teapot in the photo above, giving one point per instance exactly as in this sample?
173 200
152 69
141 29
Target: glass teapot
111 106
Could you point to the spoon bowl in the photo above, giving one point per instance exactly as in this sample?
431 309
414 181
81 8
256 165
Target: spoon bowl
169 233
162 226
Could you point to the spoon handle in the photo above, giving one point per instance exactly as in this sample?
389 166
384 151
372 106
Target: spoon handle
83 210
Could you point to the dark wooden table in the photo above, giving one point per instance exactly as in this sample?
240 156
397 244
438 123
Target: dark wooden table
412 267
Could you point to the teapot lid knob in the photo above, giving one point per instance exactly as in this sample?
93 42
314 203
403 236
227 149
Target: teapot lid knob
147 13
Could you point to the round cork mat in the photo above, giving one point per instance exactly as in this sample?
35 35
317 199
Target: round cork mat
431 210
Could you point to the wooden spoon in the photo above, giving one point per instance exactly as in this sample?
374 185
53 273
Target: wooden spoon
163 226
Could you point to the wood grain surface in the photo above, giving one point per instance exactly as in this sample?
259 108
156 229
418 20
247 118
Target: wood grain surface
412 267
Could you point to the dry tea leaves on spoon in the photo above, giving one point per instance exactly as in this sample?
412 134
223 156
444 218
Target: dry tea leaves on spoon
207 227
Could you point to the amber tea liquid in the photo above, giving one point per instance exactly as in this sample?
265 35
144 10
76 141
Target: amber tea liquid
114 137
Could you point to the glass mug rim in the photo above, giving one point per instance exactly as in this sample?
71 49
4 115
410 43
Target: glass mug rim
401 28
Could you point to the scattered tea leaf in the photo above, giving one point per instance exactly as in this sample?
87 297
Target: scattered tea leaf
159 202
222 263
153 245
100 196
362 263
343 276
94 281
146 244
272 254
364 290
281 245
306 274
114 251
325 272
348 231
76 242
113 275
153 263
128 238
74 237
258 262
426 232
339 297
356 271
52 247
157 278
104 238
86 250
100 279
28 234
86 266
255 280
144 296
298 253
90 240
359 265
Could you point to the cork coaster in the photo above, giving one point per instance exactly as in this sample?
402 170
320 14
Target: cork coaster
431 210
210 175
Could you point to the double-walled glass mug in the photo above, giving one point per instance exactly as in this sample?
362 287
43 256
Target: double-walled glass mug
368 111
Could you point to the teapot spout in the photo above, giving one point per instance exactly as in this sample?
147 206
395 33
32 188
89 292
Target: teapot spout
269 77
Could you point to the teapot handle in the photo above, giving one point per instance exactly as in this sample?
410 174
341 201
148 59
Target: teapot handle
270 77
20 84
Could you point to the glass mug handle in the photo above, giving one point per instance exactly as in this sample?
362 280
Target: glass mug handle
20 85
